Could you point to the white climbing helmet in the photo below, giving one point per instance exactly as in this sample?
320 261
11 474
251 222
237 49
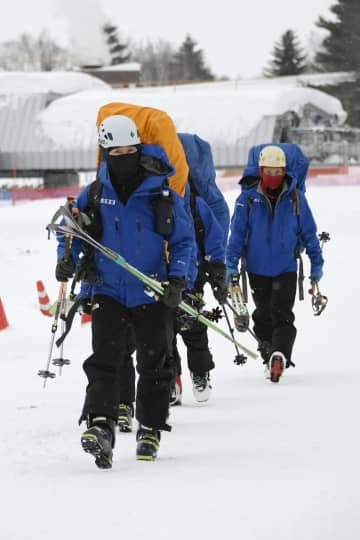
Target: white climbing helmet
272 156
118 130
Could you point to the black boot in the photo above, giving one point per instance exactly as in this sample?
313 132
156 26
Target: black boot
201 386
148 443
99 439
125 416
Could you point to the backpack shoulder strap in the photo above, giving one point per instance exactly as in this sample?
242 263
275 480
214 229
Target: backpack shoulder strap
94 194
295 199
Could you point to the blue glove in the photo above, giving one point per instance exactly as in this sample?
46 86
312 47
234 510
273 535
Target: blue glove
316 273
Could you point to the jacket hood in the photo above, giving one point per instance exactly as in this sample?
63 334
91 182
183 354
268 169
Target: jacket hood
153 160
296 163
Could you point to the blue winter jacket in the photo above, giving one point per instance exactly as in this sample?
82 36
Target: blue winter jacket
212 247
202 174
271 238
129 230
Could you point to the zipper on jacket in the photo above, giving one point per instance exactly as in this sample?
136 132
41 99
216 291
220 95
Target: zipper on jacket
117 224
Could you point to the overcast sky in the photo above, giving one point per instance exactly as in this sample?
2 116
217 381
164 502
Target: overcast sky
236 36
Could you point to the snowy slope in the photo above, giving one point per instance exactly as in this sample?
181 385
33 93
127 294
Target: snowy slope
258 462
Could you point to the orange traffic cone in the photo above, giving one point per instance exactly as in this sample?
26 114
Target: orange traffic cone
3 320
85 318
44 300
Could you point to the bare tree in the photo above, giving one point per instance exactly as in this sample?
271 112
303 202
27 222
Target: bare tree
156 60
29 53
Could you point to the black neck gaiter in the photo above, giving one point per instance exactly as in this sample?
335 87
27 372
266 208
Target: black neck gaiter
125 174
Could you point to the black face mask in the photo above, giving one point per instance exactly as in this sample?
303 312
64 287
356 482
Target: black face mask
124 168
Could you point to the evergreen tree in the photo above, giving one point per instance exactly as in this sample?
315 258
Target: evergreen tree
288 57
340 51
189 64
116 49
341 47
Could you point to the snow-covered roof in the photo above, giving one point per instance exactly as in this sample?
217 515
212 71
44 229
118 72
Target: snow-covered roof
223 112
57 82
321 79
42 130
126 66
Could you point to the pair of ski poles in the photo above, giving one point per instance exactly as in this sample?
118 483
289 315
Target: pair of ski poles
60 313
72 227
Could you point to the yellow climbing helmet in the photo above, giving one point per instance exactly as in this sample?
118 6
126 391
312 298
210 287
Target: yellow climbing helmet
272 156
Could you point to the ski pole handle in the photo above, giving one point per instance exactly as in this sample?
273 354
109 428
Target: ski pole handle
323 237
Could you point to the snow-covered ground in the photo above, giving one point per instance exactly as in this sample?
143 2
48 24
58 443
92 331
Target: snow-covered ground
258 462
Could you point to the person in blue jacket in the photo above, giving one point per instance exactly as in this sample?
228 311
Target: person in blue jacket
265 225
139 214
210 213
210 267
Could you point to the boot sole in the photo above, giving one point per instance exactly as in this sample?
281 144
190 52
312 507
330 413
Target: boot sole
141 457
147 451
202 396
90 445
276 370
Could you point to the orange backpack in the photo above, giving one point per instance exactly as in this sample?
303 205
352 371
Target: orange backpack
154 127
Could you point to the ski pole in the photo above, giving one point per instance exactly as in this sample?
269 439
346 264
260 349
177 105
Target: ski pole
240 359
60 306
46 373
318 300
323 237
73 228
61 361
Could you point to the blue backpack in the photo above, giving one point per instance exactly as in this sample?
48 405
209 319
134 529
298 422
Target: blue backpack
202 176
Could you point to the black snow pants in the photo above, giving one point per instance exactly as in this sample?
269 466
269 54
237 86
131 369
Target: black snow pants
273 317
199 357
108 369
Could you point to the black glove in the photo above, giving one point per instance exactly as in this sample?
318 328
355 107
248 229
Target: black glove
65 268
173 289
218 281
86 269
